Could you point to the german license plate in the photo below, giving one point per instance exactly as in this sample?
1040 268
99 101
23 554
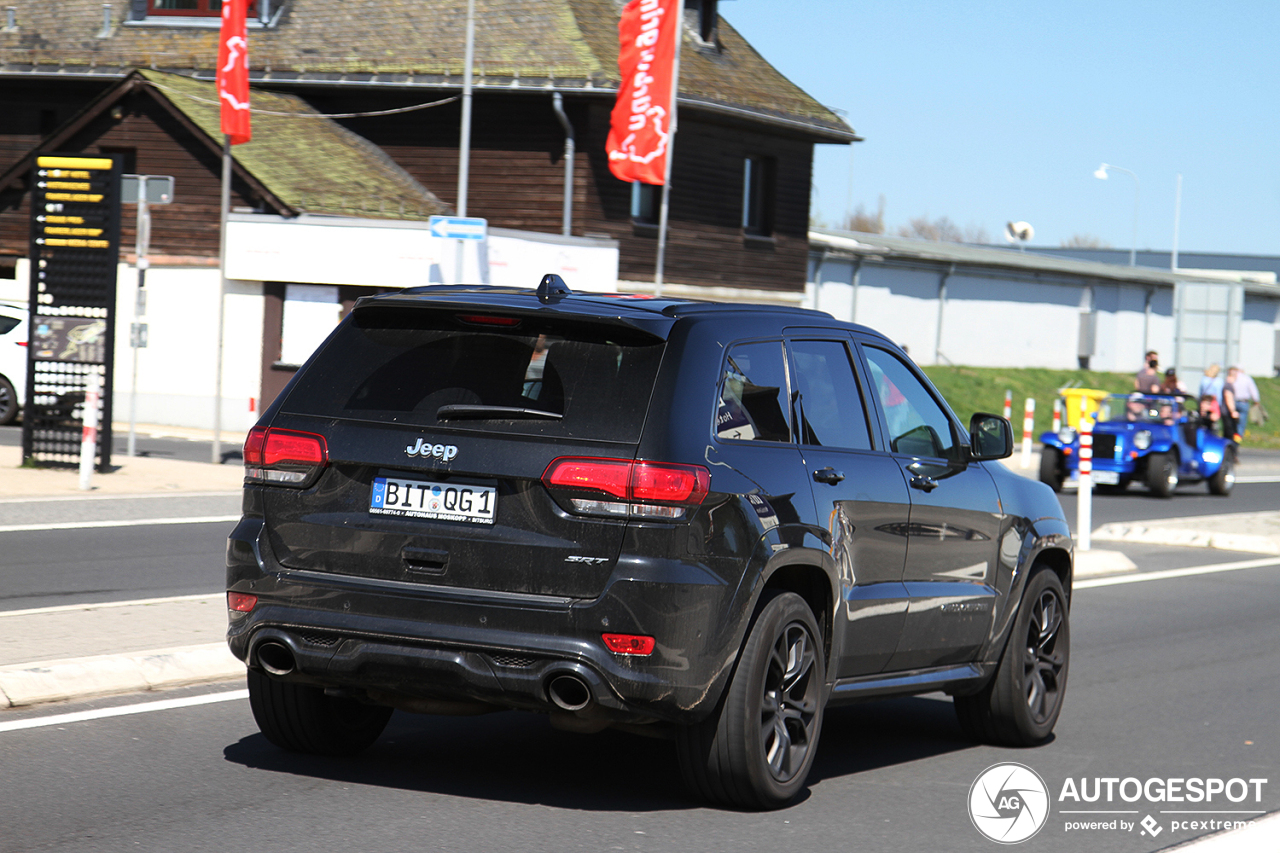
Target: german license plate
438 501
1106 478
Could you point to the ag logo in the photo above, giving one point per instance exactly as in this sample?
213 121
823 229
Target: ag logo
1008 803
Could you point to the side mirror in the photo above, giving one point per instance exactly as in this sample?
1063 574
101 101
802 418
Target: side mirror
990 437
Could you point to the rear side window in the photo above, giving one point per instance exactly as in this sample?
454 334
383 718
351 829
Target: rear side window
829 411
8 324
753 394
430 368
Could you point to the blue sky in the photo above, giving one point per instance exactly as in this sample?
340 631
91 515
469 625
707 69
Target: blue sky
988 112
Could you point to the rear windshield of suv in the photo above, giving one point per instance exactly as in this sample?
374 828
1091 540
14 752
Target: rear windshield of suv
431 368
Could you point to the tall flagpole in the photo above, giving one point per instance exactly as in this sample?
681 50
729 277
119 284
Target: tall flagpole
222 291
671 153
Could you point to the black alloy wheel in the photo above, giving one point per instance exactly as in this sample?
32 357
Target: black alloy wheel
756 749
8 401
1043 664
789 707
1019 706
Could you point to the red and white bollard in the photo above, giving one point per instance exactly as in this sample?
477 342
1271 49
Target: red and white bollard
1084 495
1028 425
89 435
1008 405
1057 415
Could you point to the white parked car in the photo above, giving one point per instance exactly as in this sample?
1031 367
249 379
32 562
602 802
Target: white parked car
13 360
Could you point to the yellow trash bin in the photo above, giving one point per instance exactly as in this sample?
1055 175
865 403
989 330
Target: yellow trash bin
1092 400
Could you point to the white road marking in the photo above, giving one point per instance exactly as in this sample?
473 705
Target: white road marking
1166 574
122 522
138 496
68 608
122 711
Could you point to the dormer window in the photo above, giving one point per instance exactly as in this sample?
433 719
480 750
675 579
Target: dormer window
193 8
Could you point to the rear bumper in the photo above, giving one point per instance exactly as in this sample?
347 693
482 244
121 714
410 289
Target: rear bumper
444 643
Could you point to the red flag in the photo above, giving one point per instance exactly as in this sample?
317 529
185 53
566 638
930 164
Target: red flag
640 129
233 72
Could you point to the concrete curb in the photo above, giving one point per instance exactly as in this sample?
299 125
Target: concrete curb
1151 535
1092 563
100 675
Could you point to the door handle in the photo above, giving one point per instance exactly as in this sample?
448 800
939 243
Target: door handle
828 475
924 484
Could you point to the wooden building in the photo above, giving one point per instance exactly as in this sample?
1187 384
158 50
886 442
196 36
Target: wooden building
357 115
342 58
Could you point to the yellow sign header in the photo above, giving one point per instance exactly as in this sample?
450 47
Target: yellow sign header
73 162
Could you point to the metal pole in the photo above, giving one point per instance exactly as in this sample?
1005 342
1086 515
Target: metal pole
1084 495
566 224
1177 217
222 290
671 154
141 248
464 141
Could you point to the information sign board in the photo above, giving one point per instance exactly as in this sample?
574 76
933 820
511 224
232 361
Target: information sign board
75 244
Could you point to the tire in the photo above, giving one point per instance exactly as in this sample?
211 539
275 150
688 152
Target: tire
1051 467
1162 474
301 718
8 401
756 749
1224 478
1019 706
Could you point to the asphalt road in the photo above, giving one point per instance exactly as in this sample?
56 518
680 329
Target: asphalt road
155 553
1171 678
189 450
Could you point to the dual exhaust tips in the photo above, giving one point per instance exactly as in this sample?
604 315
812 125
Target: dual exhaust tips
568 691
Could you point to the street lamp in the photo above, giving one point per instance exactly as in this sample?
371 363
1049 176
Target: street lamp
1101 174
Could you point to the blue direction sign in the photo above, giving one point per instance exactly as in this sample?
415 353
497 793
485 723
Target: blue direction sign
458 227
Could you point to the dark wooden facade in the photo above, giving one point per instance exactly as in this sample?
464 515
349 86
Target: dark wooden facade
156 141
516 180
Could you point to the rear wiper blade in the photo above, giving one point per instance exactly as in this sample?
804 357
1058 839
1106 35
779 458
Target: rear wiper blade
495 413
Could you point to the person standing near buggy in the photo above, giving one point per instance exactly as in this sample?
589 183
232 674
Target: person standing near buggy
1148 379
1230 413
1211 382
1246 397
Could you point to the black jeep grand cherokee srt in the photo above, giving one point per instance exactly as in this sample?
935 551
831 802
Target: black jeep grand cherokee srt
706 521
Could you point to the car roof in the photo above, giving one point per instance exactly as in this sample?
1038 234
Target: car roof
653 314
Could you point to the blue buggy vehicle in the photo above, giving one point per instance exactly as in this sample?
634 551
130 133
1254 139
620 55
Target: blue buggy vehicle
1153 439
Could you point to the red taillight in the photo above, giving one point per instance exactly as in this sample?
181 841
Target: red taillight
645 489
669 483
489 320
267 449
241 602
610 476
628 644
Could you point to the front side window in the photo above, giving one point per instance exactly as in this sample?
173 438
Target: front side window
829 410
917 425
753 394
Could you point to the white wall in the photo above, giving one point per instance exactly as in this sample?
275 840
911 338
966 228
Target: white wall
176 369
999 323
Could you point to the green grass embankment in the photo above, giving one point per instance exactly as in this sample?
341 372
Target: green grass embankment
981 389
